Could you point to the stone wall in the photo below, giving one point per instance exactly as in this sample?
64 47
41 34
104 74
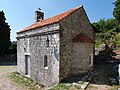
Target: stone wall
34 44
21 47
82 59
71 26
50 75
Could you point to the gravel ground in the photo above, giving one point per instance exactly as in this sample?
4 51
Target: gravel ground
5 82
99 87
100 82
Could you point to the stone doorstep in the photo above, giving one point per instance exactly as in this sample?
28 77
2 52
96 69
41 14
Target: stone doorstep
84 85
28 76
81 84
51 87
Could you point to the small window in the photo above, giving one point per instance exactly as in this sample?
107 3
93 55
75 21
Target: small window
91 60
45 61
47 42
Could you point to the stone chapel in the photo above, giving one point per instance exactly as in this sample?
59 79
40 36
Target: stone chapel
53 49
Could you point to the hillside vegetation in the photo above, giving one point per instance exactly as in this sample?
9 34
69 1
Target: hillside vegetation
107 31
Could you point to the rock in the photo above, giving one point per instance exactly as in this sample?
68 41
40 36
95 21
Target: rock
84 85
38 86
78 86
74 84
102 47
113 80
80 82
102 54
117 57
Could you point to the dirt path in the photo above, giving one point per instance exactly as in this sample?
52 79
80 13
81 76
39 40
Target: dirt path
5 82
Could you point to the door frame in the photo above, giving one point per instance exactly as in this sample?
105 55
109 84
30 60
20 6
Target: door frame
27 64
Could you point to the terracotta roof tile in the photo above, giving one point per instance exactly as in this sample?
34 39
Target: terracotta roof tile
49 21
82 38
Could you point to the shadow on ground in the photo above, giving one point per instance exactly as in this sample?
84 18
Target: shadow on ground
107 72
100 75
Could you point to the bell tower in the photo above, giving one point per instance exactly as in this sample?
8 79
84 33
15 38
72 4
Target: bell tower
39 15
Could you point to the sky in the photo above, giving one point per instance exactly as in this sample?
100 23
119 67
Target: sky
21 13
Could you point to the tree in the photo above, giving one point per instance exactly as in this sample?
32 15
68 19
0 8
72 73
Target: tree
96 27
116 11
13 48
104 25
116 29
4 34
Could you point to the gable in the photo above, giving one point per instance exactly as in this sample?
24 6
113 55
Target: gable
49 21
76 23
82 38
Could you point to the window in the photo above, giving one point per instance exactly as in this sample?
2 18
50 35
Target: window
47 42
45 61
91 60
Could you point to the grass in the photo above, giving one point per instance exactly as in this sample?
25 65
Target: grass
114 87
30 84
24 81
61 86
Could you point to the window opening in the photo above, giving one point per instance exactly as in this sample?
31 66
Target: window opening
45 61
47 42
90 60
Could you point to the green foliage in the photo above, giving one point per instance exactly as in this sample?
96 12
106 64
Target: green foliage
116 11
111 38
106 31
4 34
96 27
13 48
118 36
116 28
98 43
106 37
114 87
104 25
60 86
117 41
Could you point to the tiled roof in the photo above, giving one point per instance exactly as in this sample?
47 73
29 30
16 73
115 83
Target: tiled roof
49 21
82 38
